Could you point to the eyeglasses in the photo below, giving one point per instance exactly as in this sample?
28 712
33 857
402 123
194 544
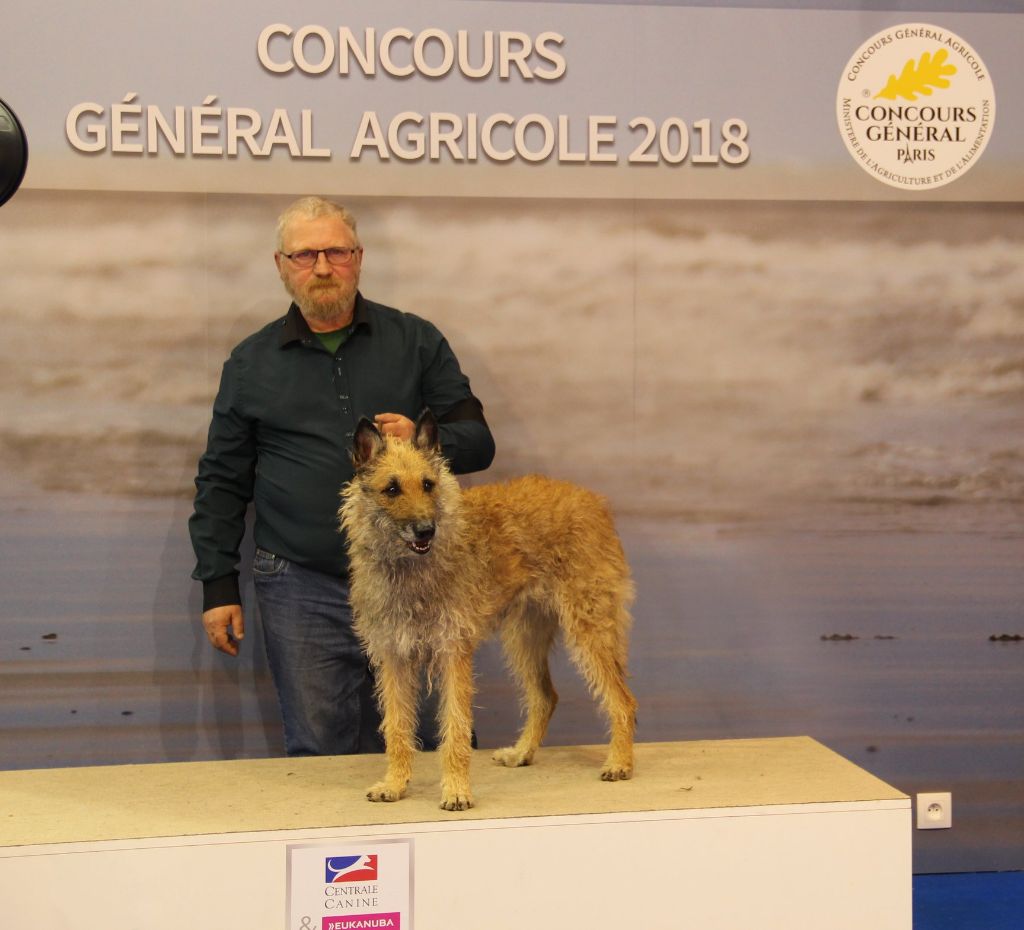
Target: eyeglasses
307 258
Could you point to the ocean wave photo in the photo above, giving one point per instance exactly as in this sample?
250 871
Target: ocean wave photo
807 417
696 358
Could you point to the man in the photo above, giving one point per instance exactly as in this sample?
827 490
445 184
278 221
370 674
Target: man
289 400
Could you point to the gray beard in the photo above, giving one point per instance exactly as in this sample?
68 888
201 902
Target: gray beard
321 310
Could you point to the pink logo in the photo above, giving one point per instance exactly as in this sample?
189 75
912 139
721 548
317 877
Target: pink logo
390 921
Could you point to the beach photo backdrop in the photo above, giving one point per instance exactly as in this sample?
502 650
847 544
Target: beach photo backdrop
806 412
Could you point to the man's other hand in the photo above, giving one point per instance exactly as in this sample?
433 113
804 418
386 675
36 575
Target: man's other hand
225 627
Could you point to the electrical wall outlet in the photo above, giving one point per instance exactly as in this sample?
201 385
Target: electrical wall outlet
935 811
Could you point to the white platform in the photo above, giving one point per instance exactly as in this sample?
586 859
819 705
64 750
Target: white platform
723 835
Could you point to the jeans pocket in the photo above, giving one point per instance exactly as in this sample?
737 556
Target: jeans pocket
266 563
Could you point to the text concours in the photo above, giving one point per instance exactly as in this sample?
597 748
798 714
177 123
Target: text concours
214 128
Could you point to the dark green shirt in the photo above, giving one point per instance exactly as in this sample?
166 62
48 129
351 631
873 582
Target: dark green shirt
282 427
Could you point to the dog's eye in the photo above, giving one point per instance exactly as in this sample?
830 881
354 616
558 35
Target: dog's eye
428 485
393 488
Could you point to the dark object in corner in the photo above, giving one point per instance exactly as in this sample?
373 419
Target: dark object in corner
13 153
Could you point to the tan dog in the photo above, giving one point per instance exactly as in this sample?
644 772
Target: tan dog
435 570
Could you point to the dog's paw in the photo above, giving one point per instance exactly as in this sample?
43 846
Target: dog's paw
612 772
382 791
457 801
512 757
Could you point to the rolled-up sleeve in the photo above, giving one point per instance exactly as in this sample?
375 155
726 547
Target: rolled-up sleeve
466 439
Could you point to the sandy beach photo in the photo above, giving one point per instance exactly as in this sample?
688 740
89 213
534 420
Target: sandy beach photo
807 417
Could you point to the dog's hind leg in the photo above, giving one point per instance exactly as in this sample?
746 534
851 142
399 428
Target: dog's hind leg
455 719
527 637
599 651
397 682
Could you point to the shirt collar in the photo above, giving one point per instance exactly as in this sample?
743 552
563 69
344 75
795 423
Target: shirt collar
294 327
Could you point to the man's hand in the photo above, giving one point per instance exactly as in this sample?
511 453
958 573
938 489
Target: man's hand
394 424
225 627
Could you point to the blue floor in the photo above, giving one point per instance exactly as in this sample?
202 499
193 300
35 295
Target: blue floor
970 901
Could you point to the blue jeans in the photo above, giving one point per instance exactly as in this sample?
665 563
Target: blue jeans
321 674
323 680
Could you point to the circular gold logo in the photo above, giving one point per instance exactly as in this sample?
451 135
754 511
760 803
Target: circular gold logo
916 106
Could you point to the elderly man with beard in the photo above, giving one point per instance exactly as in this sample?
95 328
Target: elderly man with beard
289 400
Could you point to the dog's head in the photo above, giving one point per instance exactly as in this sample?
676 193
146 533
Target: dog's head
400 480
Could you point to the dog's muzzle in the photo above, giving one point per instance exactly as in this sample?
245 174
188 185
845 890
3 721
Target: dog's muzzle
423 536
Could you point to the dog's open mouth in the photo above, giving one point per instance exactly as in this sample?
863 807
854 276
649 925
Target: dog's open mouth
422 538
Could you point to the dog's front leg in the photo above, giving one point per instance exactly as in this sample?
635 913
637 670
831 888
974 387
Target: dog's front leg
397 692
456 727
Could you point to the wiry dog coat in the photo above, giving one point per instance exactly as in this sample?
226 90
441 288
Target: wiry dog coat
435 570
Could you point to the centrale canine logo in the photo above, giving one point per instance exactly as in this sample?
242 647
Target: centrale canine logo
341 869
916 106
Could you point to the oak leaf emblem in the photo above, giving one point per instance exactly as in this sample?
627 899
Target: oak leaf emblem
930 72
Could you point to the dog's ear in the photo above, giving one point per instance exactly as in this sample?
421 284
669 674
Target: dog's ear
366 443
425 436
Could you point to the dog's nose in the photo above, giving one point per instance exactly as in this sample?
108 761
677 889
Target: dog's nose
425 533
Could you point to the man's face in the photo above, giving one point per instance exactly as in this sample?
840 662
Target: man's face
324 292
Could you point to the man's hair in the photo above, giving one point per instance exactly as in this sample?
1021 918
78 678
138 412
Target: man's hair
310 208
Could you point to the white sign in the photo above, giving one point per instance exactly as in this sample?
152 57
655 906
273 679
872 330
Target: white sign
916 106
350 886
